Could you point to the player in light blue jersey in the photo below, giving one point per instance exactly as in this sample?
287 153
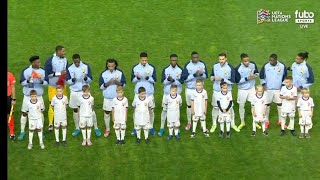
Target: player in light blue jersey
144 75
272 75
171 75
194 69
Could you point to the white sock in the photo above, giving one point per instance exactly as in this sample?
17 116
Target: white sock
40 137
89 133
163 118
263 124
215 112
189 115
254 128
117 134
170 131
242 112
176 131
23 122
283 122
291 123
30 137
232 116
194 126
56 133
267 113
222 127
302 129
94 120
146 134
138 133
84 134
307 129
123 133
279 112
228 126
151 114
64 134
203 125
107 120
76 119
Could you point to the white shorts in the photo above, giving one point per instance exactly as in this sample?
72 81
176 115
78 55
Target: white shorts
273 96
145 127
245 95
305 120
74 99
214 99
85 122
224 117
107 104
25 101
173 124
188 96
151 98
197 118
119 126
58 123
285 114
35 124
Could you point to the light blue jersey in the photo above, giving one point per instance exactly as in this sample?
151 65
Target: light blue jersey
190 70
272 76
53 67
302 75
38 76
242 74
79 73
148 77
110 92
176 74
226 72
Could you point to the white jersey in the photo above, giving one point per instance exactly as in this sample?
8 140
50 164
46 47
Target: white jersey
173 105
141 116
224 99
305 104
59 107
35 109
199 99
85 105
288 106
259 104
120 107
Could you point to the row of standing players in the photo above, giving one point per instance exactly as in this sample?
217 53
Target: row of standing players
144 75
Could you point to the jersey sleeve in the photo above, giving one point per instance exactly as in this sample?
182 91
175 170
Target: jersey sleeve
192 96
205 95
92 101
180 101
299 103
295 92
52 102
230 96
66 101
126 103
134 103
282 91
312 104
42 106
113 103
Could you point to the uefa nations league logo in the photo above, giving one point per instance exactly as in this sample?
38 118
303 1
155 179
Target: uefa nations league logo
263 16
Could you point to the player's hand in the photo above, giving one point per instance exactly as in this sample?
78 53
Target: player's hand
251 77
73 79
85 78
217 78
138 76
212 78
146 78
41 81
169 78
224 111
199 72
13 102
63 72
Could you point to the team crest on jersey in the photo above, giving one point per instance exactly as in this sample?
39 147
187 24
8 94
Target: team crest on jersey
148 72
262 102
178 74
225 72
38 107
89 102
83 70
251 69
117 76
308 103
279 69
145 104
302 71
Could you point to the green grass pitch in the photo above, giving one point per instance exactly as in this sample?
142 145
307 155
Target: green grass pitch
98 30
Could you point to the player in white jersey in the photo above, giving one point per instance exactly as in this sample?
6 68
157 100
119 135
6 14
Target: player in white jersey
305 107
172 103
34 107
224 102
85 104
142 106
259 110
288 94
199 102
120 115
59 104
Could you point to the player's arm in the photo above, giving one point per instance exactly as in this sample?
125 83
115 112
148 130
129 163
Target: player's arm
206 106
126 118
70 79
192 106
45 80
153 78
164 79
310 78
88 77
13 90
24 79
219 106
101 82
204 75
253 111
229 106
48 67
123 81
135 76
